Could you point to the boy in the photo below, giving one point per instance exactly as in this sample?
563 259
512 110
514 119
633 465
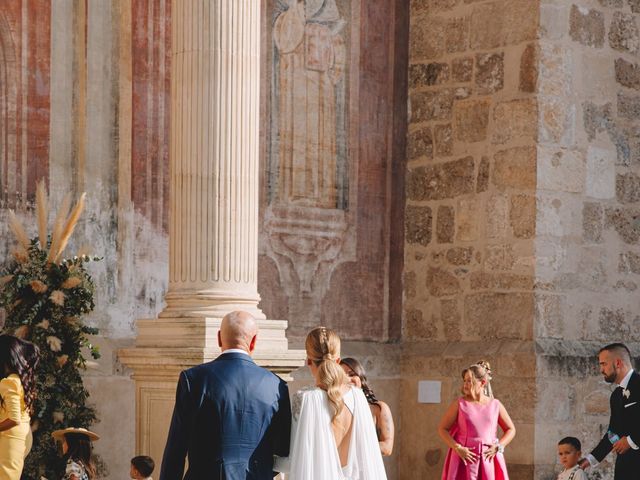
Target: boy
142 467
569 452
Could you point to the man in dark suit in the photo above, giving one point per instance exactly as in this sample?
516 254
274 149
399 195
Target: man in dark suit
231 416
623 435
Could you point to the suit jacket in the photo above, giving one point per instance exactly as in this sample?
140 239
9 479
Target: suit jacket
624 421
230 417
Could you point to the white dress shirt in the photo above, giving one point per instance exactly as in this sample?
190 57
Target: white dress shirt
235 350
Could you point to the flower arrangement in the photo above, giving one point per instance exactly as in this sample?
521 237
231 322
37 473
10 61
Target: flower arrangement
45 296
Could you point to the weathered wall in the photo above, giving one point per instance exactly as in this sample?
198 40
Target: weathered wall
84 104
470 217
87 112
586 231
332 118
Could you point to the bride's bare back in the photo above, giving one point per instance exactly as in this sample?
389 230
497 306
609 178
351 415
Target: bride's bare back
342 427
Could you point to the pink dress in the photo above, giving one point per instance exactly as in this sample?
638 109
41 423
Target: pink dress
476 425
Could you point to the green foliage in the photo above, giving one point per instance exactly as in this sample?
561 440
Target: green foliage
44 303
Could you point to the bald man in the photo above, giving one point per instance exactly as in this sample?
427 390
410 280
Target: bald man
231 416
623 433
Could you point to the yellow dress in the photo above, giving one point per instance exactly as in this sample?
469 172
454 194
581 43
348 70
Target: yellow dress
15 442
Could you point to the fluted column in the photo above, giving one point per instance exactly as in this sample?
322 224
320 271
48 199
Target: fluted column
213 234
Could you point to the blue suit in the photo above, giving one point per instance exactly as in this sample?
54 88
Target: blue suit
230 417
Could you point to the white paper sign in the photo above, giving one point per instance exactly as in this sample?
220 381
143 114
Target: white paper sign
429 391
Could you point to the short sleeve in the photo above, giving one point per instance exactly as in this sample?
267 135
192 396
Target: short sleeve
10 392
73 468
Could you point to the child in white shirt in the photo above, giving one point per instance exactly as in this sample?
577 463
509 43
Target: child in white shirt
569 452
142 467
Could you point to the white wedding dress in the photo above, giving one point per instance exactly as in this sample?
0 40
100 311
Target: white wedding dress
313 454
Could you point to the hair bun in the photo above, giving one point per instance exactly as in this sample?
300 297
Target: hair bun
487 367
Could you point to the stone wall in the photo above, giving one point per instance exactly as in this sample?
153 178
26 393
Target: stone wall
470 217
521 218
586 231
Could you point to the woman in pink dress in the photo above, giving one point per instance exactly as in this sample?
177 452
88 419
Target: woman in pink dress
469 427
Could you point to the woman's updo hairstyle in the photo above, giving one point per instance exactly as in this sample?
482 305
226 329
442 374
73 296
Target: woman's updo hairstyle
481 371
323 349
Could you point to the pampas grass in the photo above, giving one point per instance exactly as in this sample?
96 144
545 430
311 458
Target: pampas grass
18 230
58 226
42 210
63 226
69 226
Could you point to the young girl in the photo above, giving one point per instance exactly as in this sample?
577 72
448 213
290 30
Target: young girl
18 361
77 450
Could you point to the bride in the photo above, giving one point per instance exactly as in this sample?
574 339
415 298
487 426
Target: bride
332 434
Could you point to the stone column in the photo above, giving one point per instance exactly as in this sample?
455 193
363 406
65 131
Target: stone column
213 230
213 239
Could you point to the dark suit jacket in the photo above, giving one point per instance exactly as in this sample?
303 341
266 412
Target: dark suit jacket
230 417
625 421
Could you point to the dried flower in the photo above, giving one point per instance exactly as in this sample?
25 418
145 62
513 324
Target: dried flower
62 360
22 331
44 324
38 287
71 282
20 255
70 320
58 417
57 297
6 279
55 344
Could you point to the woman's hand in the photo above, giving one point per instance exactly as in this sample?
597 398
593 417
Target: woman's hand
465 454
491 451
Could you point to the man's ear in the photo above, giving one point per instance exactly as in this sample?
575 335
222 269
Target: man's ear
252 343
219 339
338 360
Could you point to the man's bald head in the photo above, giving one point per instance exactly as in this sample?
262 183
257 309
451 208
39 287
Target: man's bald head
238 330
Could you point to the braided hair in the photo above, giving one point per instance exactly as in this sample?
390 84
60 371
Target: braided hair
21 358
323 349
356 367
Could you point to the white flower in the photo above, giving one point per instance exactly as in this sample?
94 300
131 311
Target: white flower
626 393
55 344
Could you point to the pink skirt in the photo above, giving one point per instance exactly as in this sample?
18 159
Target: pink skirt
481 469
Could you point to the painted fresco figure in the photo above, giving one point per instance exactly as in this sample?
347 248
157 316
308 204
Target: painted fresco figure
312 60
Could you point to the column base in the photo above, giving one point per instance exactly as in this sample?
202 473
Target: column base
166 346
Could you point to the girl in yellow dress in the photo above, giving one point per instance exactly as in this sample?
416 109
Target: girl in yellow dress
18 361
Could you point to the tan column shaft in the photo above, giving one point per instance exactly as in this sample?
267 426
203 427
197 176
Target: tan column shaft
213 233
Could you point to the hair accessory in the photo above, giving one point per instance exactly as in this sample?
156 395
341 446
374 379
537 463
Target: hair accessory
324 347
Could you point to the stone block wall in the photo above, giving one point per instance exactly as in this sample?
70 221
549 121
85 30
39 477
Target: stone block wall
522 231
586 229
470 218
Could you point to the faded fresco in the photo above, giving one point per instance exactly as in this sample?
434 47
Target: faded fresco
309 149
308 154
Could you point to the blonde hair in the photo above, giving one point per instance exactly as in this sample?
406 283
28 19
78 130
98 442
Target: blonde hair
481 371
323 349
